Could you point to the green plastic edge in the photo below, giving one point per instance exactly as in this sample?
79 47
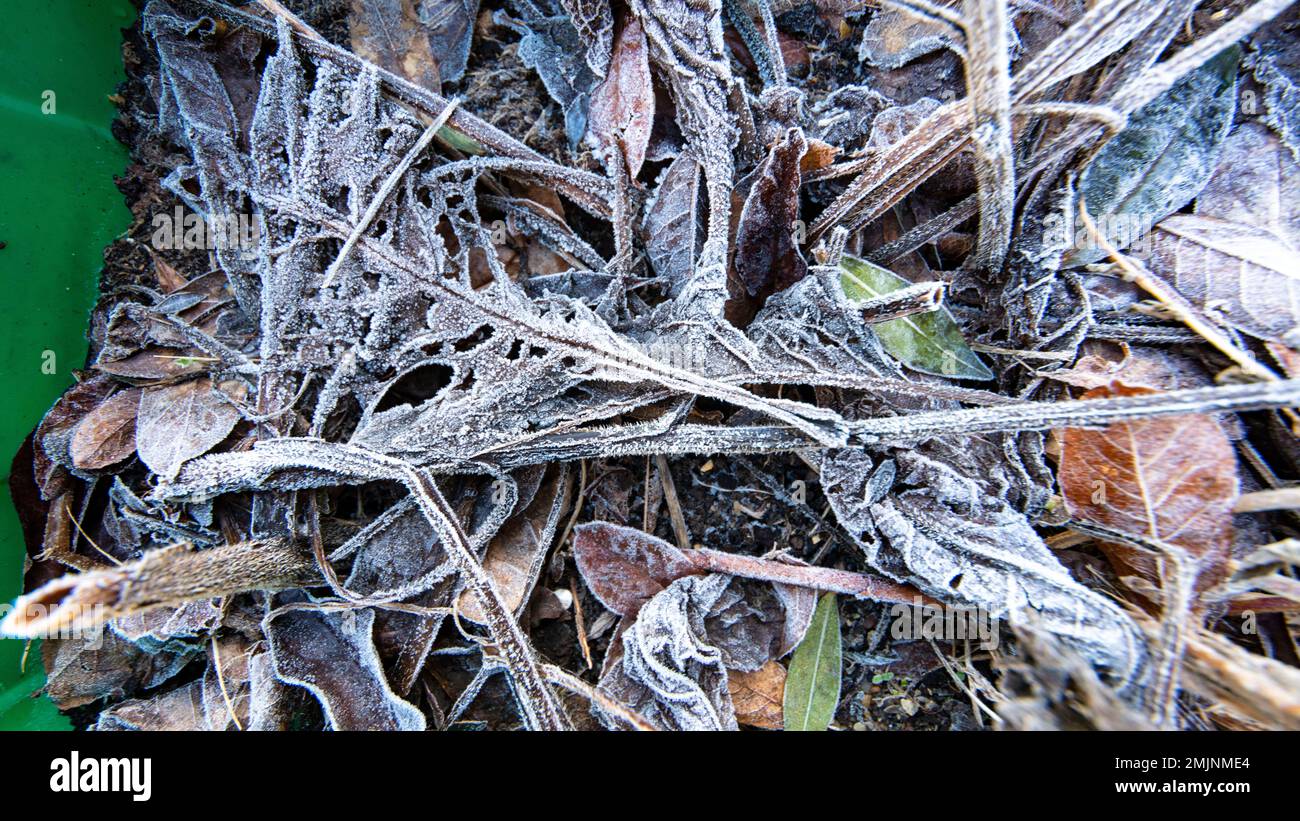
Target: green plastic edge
59 207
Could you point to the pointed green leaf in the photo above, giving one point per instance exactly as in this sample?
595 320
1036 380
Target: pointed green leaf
930 343
1161 160
812 688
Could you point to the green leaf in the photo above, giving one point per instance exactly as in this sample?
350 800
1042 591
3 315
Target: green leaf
463 143
812 688
930 343
1161 160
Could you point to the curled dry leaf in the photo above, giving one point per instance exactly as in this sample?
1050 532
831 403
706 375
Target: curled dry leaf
768 258
106 435
1171 480
623 106
595 25
179 422
516 554
333 655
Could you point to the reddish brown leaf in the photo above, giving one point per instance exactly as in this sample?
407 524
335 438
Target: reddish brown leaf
623 105
758 696
155 364
169 279
1171 479
767 254
624 567
107 435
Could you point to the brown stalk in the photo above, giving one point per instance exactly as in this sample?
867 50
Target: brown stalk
166 577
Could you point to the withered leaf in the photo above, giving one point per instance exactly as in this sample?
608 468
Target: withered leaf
82 671
672 223
895 38
155 364
758 696
1172 479
595 25
333 655
947 526
449 26
175 710
107 435
623 105
515 556
768 258
553 48
624 567
389 34
670 671
1238 256
179 422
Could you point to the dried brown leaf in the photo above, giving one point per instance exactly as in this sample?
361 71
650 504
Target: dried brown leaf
623 105
1171 480
389 34
107 435
767 253
757 696
517 552
624 567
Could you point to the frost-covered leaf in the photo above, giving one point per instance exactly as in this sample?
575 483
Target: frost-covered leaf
1238 256
178 422
1173 480
768 258
1165 155
672 223
515 555
1272 59
106 435
895 38
625 567
154 365
173 711
669 672
333 655
812 687
95 666
595 25
623 105
686 43
552 47
929 342
1235 270
947 527
449 25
